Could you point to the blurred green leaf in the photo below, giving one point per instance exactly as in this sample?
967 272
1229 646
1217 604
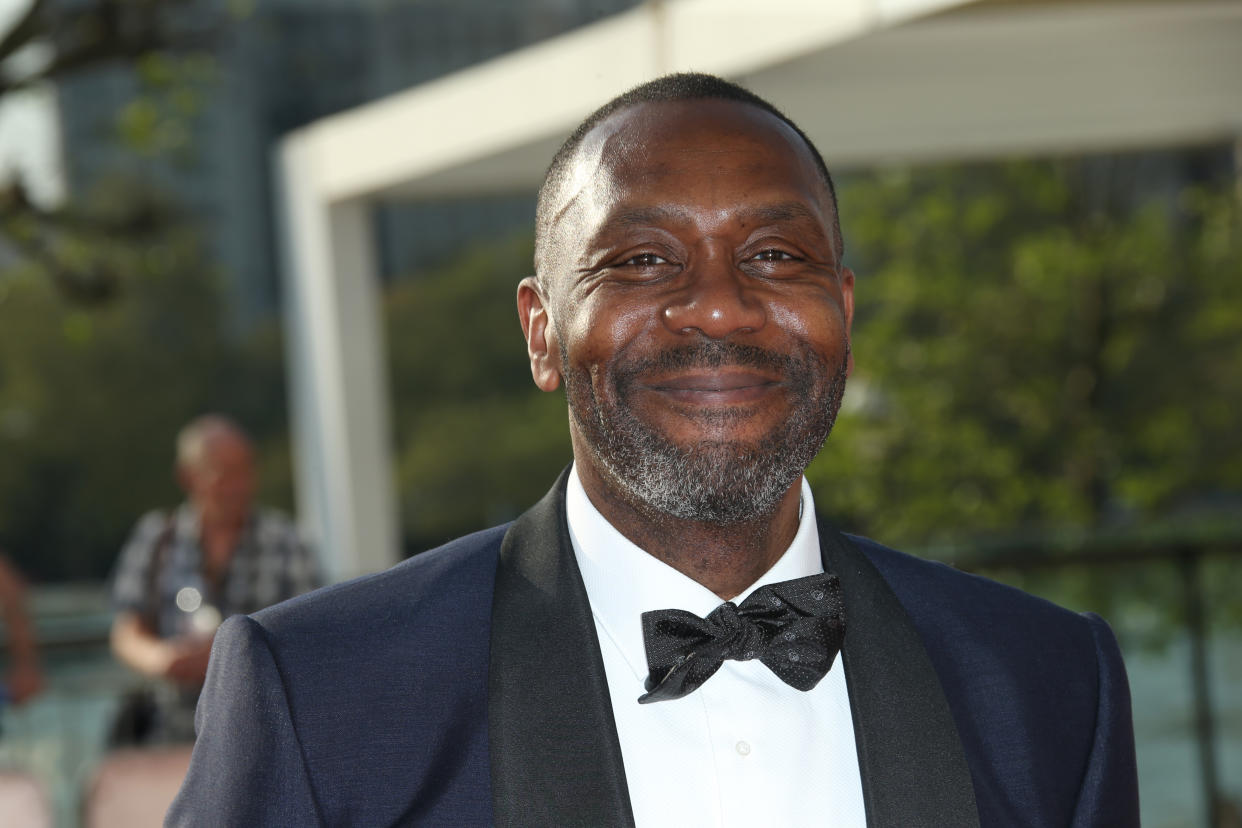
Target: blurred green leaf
1026 361
477 443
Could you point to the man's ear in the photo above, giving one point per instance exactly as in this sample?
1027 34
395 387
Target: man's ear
542 346
847 305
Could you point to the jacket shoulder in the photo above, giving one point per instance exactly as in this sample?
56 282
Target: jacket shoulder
1038 692
452 580
384 678
970 622
926 586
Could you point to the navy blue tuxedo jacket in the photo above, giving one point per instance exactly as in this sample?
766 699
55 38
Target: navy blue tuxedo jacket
465 687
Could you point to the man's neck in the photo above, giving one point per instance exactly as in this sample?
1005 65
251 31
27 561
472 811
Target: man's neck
724 558
218 538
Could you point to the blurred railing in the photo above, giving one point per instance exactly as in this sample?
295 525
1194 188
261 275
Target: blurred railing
60 736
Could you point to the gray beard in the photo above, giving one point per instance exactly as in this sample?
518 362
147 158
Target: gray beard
716 482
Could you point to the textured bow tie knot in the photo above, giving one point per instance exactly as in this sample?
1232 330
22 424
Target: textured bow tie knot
794 627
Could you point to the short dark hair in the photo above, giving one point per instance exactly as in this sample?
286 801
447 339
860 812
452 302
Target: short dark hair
682 86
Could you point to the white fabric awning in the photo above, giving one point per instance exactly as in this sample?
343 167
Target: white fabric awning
869 81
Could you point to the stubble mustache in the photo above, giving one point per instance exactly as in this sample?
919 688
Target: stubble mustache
712 354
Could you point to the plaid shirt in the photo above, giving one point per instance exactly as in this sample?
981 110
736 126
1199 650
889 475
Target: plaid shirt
269 565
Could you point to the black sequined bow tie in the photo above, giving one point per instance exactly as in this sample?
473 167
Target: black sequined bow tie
794 627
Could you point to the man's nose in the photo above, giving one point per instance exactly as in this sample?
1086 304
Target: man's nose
716 301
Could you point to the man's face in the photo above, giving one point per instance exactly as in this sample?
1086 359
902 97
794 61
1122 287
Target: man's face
222 483
695 307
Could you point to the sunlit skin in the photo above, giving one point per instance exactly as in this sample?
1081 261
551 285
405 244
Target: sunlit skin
685 221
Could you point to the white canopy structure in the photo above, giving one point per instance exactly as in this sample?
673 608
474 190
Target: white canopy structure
870 81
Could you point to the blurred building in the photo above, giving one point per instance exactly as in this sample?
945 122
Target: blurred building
283 65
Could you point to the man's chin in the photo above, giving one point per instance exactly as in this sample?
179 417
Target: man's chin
720 482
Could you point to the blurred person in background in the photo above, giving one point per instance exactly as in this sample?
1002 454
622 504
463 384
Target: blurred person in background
181 573
24 677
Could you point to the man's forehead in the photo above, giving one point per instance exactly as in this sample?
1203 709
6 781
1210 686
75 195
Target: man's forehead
225 444
629 138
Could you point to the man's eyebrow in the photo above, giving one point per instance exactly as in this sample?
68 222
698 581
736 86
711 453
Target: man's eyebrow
784 211
639 216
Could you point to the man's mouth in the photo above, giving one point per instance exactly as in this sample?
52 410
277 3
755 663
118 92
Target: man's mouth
717 386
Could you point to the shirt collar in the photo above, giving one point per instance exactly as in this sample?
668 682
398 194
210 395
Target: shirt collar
622 581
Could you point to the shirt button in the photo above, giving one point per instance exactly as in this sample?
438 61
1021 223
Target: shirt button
743 748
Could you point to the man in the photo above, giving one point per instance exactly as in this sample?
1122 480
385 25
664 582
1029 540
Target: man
689 295
216 555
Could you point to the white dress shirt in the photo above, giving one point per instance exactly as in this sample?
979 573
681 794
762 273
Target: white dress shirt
744 749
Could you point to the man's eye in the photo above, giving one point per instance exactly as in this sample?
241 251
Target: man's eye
645 260
773 256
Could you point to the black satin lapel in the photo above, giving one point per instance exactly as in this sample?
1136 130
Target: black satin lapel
555 758
914 770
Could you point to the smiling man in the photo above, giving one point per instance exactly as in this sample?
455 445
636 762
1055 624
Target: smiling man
671 637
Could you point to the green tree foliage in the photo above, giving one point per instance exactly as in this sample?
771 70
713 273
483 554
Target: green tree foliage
1030 367
161 50
477 443
1023 360
110 321
92 397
